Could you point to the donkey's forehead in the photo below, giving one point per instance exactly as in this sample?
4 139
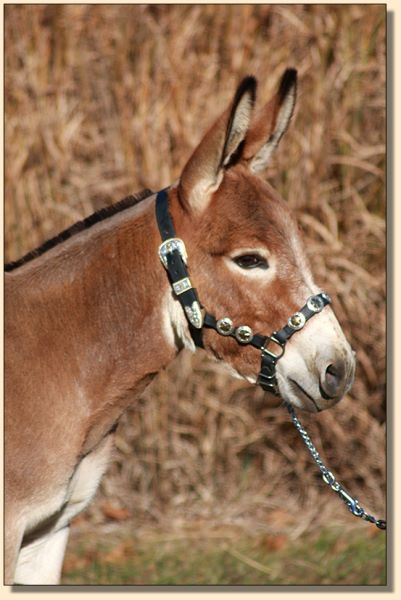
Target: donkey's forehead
246 208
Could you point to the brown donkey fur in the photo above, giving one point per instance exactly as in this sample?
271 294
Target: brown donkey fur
90 321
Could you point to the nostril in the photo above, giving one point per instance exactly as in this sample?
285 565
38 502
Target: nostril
332 374
333 380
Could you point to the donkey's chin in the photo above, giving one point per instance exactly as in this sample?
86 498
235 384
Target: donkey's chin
302 397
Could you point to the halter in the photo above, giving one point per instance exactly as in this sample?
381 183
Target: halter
173 256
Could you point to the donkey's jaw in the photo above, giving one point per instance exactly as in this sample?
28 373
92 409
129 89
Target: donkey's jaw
175 325
302 393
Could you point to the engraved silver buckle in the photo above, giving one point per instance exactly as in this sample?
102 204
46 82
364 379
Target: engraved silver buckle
168 246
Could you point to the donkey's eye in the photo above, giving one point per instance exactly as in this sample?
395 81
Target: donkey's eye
251 261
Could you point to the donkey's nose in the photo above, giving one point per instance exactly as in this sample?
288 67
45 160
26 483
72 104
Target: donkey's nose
334 381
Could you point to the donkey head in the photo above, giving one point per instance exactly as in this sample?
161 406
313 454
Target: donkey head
246 256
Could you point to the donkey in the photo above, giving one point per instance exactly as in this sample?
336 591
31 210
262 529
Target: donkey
94 314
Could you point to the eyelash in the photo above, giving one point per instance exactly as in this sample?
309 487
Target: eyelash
251 261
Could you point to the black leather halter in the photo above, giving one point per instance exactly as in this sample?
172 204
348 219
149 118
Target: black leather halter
173 256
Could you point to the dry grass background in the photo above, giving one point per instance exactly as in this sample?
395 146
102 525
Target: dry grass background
102 101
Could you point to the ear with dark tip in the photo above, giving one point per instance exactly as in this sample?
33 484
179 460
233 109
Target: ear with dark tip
270 123
240 117
203 173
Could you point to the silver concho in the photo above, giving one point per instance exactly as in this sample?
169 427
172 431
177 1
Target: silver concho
225 326
297 321
315 304
326 297
194 314
244 334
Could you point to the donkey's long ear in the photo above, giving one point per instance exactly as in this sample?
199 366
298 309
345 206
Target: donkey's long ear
204 171
270 123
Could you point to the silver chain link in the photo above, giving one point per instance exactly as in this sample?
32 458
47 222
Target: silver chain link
328 477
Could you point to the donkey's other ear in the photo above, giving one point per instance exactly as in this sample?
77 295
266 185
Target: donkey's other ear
270 123
204 171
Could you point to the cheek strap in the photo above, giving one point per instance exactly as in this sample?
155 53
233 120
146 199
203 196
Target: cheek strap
173 255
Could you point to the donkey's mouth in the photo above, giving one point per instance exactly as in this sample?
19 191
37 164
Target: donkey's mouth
305 394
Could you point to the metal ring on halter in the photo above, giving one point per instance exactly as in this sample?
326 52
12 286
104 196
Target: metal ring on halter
265 349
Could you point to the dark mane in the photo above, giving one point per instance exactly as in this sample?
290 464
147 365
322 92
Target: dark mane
96 217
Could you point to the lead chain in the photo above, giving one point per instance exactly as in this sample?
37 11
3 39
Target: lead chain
328 477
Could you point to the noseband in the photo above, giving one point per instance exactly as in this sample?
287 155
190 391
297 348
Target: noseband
173 255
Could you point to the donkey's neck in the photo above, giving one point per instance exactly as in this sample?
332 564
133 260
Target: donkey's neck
101 305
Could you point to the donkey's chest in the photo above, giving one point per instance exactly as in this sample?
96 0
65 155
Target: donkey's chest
61 508
85 480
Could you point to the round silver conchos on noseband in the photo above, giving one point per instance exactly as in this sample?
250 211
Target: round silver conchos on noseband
297 321
225 326
315 303
244 334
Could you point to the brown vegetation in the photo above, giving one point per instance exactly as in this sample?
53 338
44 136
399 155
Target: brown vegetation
104 100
